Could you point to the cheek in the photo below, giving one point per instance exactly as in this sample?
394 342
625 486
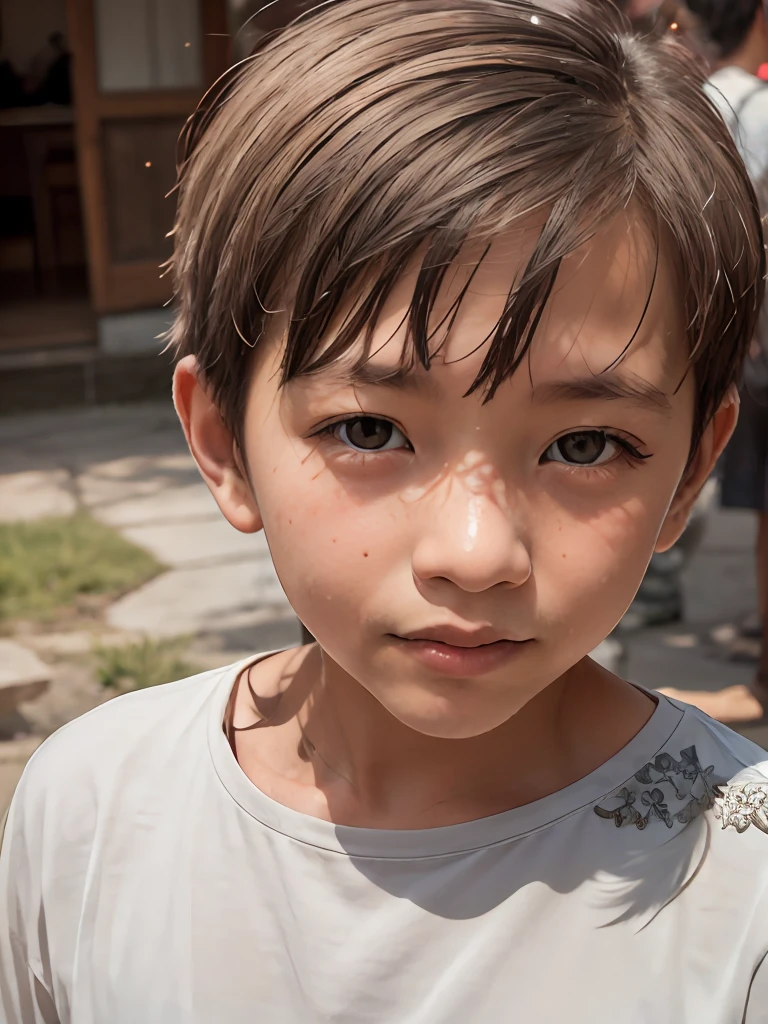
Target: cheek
602 533
327 549
616 534
595 563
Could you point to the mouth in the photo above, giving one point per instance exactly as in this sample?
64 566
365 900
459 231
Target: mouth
453 636
457 652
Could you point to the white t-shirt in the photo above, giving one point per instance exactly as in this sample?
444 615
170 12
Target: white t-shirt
145 880
743 101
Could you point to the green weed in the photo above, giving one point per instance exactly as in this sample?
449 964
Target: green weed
146 663
48 565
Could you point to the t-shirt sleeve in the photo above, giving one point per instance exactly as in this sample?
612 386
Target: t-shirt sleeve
756 1011
752 139
26 990
757 1003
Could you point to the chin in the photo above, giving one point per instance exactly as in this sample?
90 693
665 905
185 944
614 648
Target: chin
445 719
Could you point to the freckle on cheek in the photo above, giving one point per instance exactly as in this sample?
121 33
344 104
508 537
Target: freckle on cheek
365 554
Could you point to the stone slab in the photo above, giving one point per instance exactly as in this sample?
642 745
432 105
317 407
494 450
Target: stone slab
206 540
18 752
731 530
83 438
128 333
113 481
719 586
65 426
172 505
203 600
14 755
610 654
85 447
23 676
36 493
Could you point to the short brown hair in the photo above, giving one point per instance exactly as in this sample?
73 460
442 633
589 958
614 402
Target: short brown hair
373 129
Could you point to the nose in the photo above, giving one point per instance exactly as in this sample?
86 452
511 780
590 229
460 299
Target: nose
472 538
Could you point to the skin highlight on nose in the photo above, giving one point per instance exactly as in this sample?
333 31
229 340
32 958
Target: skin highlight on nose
472 517
473 523
481 479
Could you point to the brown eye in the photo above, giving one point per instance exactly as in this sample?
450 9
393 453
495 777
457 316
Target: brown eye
370 434
582 448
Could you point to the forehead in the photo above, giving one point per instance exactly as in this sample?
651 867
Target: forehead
615 299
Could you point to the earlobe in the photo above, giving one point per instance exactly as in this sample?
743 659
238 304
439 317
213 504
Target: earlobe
213 448
714 439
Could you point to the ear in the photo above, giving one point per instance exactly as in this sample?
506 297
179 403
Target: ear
214 448
715 438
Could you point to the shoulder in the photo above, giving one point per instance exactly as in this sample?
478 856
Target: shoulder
743 102
743 802
96 785
729 752
117 746
113 730
674 827
741 98
682 779
739 774
741 797
729 87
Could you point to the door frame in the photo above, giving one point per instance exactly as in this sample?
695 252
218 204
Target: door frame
114 286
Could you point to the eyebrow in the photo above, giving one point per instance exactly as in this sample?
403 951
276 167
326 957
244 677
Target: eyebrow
607 387
398 376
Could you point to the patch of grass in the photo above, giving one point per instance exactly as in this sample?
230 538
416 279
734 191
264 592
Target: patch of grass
146 663
48 565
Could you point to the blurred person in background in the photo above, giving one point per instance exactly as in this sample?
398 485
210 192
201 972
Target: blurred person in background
734 33
648 15
48 79
11 82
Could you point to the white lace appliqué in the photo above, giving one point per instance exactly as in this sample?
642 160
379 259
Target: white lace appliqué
743 804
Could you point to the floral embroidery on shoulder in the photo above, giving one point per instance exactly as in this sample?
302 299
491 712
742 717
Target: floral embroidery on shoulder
680 781
743 804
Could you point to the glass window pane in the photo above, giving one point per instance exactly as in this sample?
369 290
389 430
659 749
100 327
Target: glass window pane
148 44
139 172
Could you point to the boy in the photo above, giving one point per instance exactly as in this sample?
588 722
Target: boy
464 287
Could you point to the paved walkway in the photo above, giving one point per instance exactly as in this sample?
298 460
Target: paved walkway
129 466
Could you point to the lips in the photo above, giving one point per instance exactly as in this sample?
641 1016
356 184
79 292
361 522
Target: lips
454 636
460 653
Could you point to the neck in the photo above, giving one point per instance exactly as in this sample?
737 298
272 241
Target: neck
375 771
751 54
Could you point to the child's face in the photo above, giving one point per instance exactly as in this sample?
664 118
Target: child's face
529 519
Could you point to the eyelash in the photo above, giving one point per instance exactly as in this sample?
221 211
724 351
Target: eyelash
329 428
628 450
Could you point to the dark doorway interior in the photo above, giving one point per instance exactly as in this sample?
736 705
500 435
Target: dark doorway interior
44 300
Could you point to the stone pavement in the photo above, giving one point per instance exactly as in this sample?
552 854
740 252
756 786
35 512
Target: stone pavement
129 467
720 587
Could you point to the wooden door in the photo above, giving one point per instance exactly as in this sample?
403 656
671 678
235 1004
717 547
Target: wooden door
139 69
